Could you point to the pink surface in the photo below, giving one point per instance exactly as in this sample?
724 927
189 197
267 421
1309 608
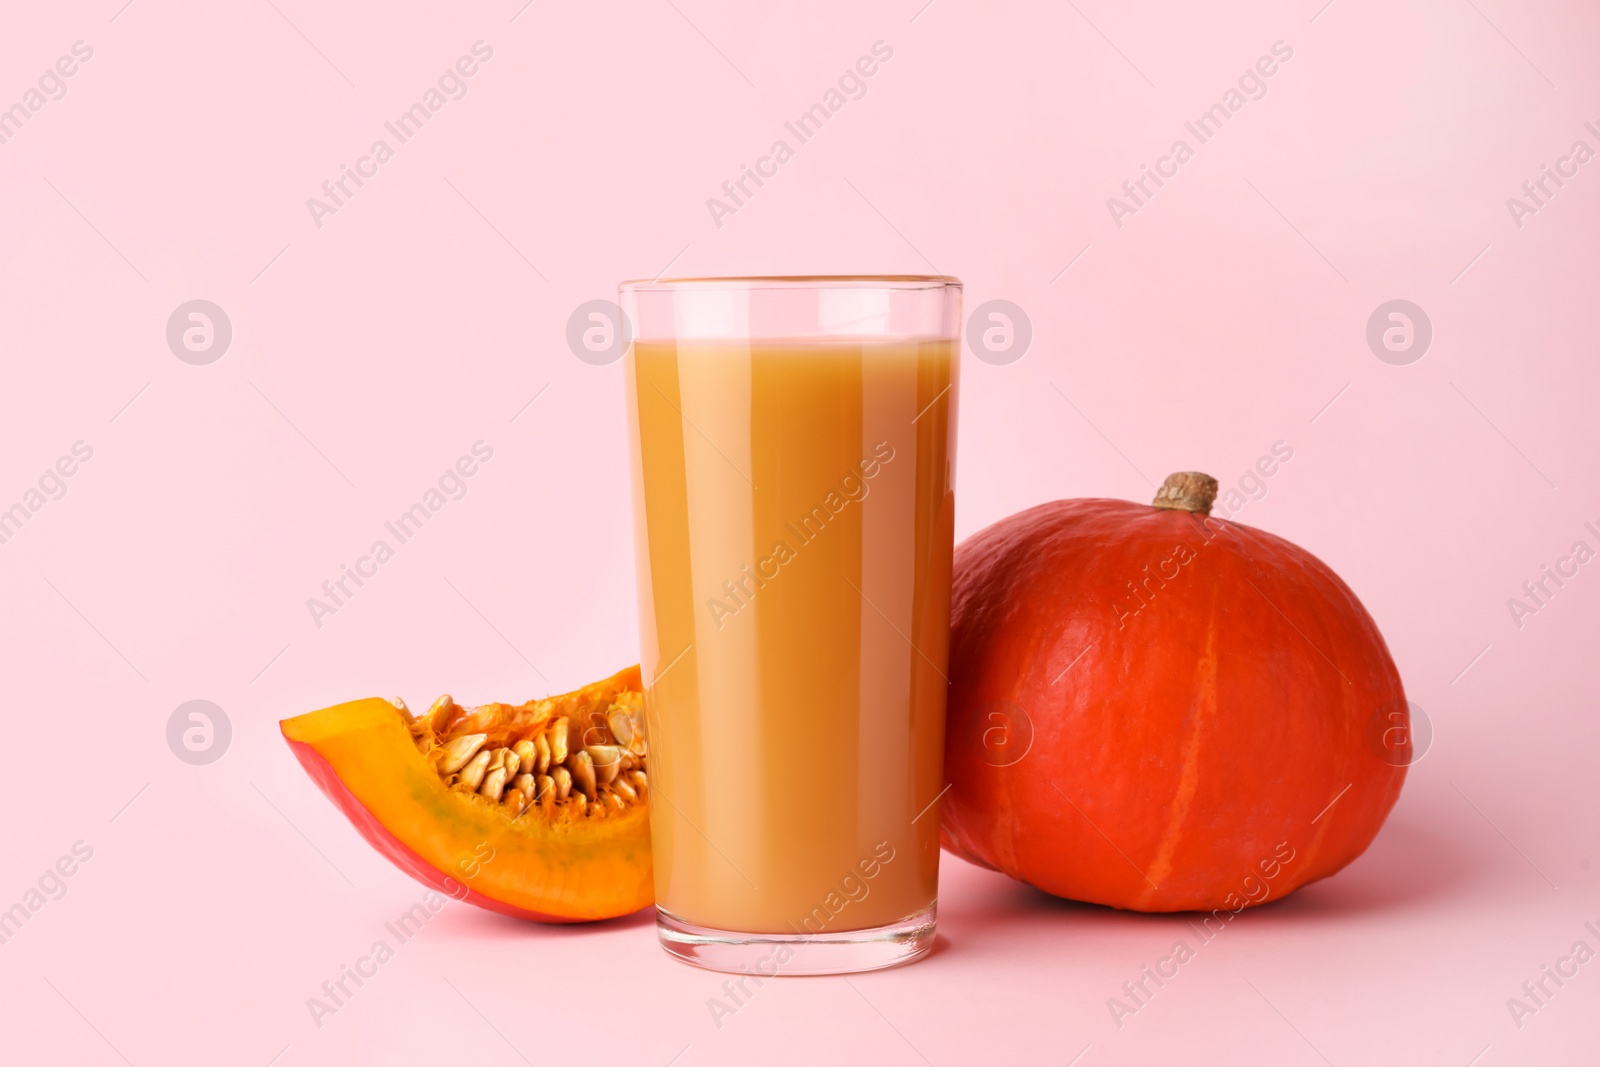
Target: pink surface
1226 313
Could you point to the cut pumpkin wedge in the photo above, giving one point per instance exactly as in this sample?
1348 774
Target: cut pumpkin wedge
537 810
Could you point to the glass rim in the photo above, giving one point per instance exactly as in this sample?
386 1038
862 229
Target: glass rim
815 282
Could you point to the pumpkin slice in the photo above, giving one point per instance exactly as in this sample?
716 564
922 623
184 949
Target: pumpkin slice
537 810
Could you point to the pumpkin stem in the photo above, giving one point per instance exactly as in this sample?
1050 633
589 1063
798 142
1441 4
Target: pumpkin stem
1187 491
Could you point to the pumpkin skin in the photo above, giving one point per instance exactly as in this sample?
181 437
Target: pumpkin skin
1157 710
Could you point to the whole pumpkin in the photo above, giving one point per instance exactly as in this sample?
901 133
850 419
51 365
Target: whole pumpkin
1159 710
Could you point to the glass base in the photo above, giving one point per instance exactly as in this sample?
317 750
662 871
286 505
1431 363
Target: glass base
773 955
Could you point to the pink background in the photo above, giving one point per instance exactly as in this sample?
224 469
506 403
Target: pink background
1226 315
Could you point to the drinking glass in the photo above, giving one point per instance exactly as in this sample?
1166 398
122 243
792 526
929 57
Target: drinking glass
793 448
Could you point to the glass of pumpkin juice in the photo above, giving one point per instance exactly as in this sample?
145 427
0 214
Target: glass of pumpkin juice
793 449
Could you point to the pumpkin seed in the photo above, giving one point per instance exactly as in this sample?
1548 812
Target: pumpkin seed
494 783
607 760
621 728
581 764
558 740
458 752
472 774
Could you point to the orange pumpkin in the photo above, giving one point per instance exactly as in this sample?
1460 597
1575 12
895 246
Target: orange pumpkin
1158 710
473 802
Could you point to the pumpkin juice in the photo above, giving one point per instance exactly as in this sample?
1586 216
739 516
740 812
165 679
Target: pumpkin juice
794 552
